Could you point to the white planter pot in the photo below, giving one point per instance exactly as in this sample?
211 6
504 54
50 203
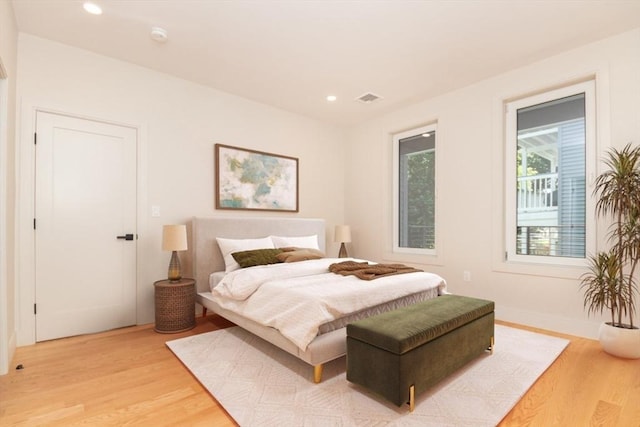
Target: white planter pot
620 342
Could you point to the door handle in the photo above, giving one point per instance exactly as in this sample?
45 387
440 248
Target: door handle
125 237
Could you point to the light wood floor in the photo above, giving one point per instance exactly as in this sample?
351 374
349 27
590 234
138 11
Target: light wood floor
128 376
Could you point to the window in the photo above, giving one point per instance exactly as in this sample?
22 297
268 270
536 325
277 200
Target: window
550 153
414 158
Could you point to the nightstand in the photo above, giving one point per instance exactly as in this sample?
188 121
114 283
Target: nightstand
175 305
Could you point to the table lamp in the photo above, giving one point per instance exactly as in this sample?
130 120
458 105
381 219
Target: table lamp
342 235
174 238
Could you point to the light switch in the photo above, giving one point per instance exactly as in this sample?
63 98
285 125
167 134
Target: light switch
155 211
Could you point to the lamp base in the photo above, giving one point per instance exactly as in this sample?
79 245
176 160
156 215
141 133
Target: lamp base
174 268
343 251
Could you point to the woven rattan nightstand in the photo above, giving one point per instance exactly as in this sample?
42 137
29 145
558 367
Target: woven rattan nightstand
175 305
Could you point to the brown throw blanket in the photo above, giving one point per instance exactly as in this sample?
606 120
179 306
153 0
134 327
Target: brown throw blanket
366 271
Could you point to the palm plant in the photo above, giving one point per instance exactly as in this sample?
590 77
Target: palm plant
610 283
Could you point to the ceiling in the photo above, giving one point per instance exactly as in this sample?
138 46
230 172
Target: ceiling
291 54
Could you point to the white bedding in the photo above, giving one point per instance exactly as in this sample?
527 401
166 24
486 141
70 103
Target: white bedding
296 298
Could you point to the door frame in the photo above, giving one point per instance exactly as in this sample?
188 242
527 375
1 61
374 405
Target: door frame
7 337
25 206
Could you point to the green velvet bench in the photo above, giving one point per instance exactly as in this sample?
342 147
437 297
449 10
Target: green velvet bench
401 353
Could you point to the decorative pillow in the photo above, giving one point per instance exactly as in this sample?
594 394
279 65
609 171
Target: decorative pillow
298 242
229 246
257 257
297 254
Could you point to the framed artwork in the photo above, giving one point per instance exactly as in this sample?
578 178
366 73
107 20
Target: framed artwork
249 179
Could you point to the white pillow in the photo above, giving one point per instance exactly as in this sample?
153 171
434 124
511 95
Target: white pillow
310 242
229 246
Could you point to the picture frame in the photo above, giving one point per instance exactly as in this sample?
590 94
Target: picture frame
255 180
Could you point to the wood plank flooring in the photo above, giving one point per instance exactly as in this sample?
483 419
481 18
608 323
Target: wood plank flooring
129 377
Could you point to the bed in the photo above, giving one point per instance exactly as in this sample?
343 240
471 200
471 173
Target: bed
205 258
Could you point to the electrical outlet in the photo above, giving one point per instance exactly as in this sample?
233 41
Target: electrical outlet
466 276
155 211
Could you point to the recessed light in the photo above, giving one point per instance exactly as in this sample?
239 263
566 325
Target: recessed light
92 8
426 135
331 98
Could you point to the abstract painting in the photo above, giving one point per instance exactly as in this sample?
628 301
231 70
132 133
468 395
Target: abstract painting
250 179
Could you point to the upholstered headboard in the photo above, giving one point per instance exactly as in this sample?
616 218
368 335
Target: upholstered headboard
204 256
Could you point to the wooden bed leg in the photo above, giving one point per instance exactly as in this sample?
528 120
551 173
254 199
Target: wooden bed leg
204 311
412 398
317 373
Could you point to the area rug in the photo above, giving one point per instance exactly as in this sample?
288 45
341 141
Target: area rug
261 385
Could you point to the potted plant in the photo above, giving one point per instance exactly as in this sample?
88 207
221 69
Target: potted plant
610 284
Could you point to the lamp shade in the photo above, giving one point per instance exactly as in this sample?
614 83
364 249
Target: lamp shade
174 238
342 234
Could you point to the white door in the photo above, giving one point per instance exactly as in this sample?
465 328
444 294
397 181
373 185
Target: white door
85 198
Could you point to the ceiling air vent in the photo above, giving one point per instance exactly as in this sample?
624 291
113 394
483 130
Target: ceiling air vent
368 98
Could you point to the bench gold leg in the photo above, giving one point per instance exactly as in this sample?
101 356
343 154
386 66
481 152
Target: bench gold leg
493 341
317 373
412 398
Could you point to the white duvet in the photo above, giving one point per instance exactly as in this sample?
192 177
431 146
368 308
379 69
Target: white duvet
296 298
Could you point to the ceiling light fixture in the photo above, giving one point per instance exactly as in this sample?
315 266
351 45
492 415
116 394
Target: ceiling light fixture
159 34
92 8
331 98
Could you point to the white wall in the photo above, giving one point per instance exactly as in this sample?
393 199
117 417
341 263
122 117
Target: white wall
470 149
179 124
8 62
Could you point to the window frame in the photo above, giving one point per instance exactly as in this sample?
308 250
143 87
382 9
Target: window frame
511 147
396 248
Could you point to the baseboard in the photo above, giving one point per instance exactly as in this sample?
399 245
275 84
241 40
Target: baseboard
582 328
